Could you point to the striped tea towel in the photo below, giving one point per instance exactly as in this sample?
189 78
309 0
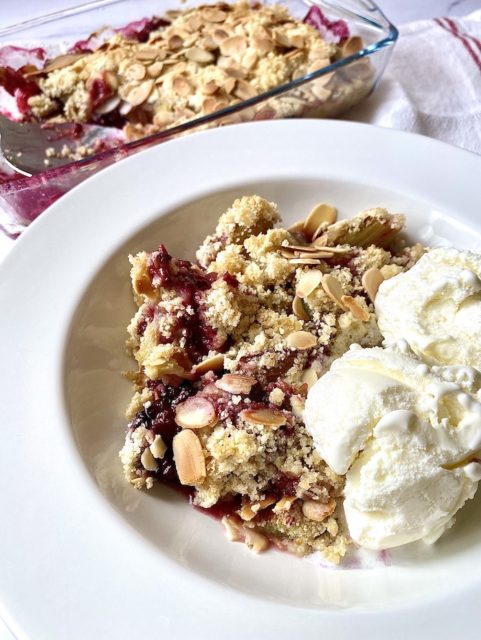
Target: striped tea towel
433 82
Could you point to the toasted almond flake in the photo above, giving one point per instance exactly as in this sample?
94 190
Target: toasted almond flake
320 63
249 511
111 79
299 309
233 529
163 118
332 287
139 95
214 15
147 460
154 70
301 340
355 308
317 511
320 213
210 88
195 23
235 72
60 62
229 85
135 71
213 363
175 42
263 46
219 35
265 417
304 261
320 243
109 105
296 227
234 47
209 105
182 86
282 39
321 92
301 247
255 541
321 255
352 46
189 458
371 280
308 282
244 90
196 54
309 376
142 284
147 53
235 383
287 254
195 413
249 59
158 447
284 504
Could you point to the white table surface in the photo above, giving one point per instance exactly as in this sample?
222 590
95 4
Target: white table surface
399 11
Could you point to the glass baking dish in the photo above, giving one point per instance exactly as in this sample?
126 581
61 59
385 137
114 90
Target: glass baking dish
326 92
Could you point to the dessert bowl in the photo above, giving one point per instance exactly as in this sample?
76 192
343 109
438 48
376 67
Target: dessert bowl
122 561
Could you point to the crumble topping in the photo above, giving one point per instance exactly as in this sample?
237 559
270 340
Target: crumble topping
195 62
226 350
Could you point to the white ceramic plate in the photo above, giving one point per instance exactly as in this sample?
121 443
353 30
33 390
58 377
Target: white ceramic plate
84 556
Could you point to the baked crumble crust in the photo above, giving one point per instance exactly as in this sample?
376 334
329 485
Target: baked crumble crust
196 62
225 341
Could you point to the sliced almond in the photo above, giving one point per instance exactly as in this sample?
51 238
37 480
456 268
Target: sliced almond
233 529
355 308
138 95
304 261
210 88
175 42
263 46
163 118
320 63
317 511
300 247
250 510
282 39
61 61
214 15
309 377
182 86
296 227
213 363
249 59
255 541
284 504
158 447
154 70
108 106
147 53
189 458
301 340
209 104
196 54
235 383
135 71
266 417
234 47
308 282
371 281
332 287
219 35
195 23
352 46
148 461
299 309
319 255
229 85
244 90
195 413
320 213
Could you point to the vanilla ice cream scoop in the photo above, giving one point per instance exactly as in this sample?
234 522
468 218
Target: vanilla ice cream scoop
436 307
404 434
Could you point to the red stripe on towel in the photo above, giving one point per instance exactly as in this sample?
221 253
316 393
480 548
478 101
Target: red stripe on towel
453 30
467 36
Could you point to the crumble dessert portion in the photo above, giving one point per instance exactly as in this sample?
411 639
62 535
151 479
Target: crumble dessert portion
195 62
226 350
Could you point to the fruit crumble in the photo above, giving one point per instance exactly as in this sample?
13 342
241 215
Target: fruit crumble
226 350
192 63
